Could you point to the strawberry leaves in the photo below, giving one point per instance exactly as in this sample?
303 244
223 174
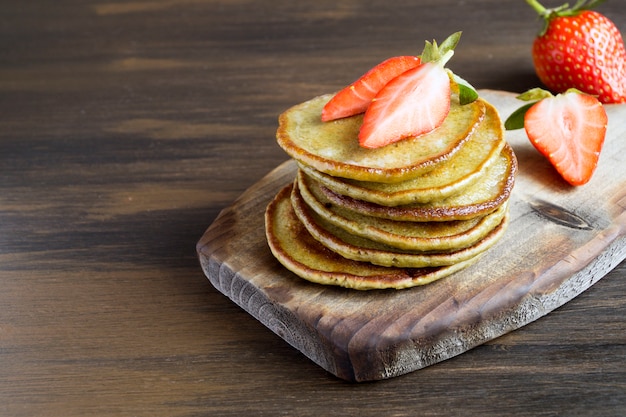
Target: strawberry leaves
568 129
563 10
467 93
516 119
441 54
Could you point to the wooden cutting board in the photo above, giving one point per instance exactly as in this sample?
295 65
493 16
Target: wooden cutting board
561 240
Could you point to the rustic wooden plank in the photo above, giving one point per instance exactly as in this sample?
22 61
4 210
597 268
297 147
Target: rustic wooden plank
538 266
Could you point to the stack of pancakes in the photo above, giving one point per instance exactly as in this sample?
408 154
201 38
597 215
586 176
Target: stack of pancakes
398 216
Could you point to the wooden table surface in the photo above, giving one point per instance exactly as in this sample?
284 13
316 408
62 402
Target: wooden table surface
125 127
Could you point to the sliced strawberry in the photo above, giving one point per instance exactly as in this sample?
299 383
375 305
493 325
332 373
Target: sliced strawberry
413 103
569 130
355 98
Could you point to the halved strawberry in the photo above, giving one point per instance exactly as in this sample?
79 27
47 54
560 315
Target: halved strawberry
355 98
413 103
568 129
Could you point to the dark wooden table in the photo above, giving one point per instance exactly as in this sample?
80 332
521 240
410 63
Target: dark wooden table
125 127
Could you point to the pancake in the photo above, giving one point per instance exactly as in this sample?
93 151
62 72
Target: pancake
361 249
299 252
414 236
398 216
462 170
481 198
333 147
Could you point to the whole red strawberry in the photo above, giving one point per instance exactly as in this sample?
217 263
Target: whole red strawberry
580 48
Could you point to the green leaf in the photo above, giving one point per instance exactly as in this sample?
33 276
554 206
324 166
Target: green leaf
534 94
430 52
586 5
574 90
467 93
564 10
450 43
516 119
440 54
